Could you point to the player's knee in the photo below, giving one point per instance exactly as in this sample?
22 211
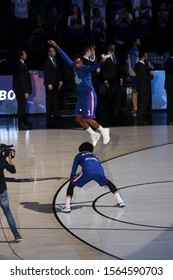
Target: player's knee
88 121
78 119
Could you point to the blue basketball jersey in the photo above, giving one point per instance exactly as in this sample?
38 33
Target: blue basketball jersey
91 169
82 75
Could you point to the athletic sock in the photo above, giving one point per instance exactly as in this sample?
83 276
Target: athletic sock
68 200
101 129
118 197
90 130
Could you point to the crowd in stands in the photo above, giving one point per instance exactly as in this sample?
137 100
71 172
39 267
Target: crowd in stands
77 23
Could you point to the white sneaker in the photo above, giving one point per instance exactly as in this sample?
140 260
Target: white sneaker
95 138
122 204
66 209
106 135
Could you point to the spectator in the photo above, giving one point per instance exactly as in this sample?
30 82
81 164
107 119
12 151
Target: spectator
113 8
111 74
123 22
22 87
98 30
135 4
143 78
37 43
143 18
132 60
53 83
98 4
80 3
20 10
55 26
162 28
76 25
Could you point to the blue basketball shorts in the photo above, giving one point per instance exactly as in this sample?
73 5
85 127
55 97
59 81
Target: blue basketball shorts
86 105
82 179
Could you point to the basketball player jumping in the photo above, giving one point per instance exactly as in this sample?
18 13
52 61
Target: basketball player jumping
87 100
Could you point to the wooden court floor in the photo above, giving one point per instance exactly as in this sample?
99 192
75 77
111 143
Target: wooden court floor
138 160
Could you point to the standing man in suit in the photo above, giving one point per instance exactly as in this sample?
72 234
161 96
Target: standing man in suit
111 74
168 67
89 59
53 83
132 60
144 78
22 87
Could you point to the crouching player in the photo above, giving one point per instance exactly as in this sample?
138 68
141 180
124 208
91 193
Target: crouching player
92 170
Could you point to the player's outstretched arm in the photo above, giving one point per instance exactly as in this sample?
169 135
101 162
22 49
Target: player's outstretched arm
61 52
53 43
104 58
98 64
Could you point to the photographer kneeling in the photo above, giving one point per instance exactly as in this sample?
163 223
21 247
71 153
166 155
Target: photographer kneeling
6 155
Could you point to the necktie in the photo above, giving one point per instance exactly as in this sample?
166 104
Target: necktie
54 62
113 59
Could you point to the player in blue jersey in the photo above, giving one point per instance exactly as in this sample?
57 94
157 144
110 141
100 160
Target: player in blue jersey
87 100
91 170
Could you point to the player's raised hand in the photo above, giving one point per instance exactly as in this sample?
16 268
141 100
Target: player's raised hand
104 57
53 43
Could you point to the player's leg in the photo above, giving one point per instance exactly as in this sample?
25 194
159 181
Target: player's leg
84 110
105 132
84 123
135 103
134 95
90 119
78 181
69 196
103 180
114 190
4 204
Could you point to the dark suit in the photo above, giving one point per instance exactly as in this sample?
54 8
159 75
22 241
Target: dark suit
168 67
94 74
52 76
21 85
111 72
144 78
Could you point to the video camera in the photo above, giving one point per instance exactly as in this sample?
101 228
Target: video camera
5 151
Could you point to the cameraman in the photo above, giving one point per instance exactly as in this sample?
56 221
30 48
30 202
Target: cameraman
7 163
